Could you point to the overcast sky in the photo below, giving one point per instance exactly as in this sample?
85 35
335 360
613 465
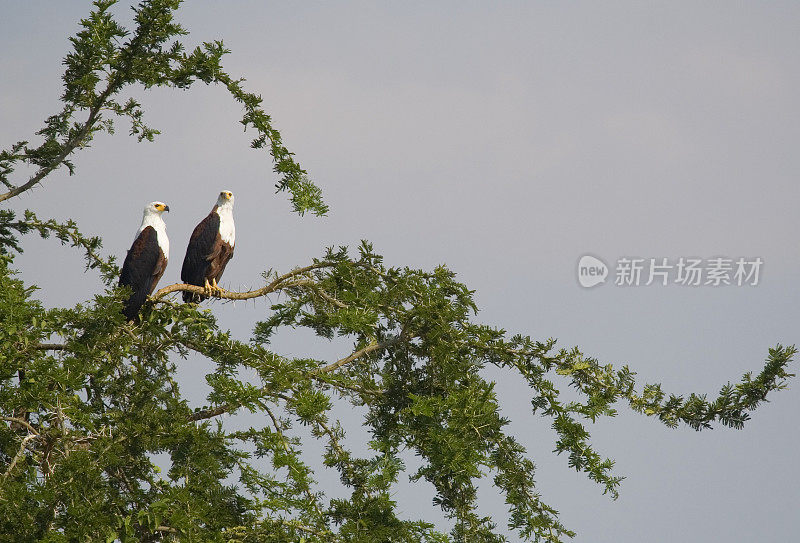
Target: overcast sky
505 140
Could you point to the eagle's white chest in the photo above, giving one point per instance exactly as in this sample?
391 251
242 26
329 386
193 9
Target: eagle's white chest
227 229
161 232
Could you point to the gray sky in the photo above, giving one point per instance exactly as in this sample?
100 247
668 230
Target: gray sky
504 140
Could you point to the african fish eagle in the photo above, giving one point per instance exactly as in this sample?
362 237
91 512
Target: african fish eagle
146 260
210 248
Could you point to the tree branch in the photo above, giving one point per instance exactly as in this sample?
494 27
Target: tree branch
68 148
321 378
277 284
213 412
51 347
21 422
303 528
358 354
24 445
228 407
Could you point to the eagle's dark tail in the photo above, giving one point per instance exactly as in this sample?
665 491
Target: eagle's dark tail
133 304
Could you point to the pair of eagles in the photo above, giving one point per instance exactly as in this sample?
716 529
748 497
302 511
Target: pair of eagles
210 248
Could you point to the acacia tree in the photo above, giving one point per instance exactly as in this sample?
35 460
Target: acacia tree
87 399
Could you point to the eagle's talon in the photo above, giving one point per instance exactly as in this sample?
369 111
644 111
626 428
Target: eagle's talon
215 288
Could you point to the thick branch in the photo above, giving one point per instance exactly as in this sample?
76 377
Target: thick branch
277 284
23 446
21 422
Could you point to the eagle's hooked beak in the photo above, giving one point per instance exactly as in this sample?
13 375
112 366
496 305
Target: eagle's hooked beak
166 208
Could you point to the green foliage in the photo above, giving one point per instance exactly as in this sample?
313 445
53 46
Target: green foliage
67 233
88 401
101 406
106 59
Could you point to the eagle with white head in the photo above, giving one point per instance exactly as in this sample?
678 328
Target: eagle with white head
210 249
146 260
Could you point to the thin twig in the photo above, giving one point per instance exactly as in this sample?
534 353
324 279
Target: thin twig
302 527
322 379
334 440
51 347
69 146
228 407
358 354
328 298
213 412
274 421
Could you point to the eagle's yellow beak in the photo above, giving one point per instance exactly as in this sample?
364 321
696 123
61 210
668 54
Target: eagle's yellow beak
162 207
226 194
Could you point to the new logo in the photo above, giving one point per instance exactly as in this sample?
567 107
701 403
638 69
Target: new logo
591 271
